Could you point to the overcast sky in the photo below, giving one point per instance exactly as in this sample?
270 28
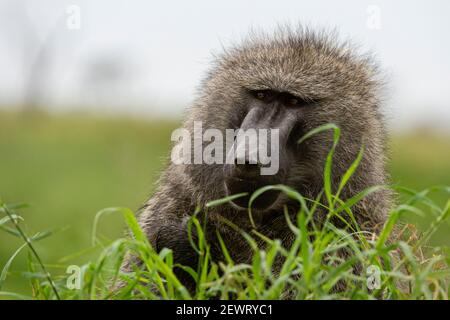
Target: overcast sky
161 49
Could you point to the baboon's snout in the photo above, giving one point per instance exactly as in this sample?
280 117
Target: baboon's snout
259 154
248 171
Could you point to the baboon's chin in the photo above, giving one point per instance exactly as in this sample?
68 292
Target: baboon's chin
264 202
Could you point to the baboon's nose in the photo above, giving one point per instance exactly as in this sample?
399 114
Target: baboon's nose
246 162
244 168
245 177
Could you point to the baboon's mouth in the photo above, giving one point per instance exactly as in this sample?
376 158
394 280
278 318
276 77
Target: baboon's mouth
236 185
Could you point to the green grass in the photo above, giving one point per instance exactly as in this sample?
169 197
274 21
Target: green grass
69 168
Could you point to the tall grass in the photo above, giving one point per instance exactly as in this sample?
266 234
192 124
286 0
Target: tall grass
396 264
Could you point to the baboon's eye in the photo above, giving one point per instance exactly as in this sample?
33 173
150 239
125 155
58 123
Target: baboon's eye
260 95
293 101
263 95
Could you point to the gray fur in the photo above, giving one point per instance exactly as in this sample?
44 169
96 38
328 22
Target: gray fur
307 64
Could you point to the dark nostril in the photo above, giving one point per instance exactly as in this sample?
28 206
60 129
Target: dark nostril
247 169
241 161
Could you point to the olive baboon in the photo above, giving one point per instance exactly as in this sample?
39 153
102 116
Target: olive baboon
293 80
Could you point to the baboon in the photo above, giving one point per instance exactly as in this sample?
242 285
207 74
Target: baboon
293 80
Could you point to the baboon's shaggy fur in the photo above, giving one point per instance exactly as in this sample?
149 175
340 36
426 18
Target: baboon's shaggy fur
306 64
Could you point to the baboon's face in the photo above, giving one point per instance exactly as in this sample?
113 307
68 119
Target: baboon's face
294 86
266 109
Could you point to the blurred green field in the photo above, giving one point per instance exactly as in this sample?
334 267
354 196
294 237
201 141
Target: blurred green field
69 167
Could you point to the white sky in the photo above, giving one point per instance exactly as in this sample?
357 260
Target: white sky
165 47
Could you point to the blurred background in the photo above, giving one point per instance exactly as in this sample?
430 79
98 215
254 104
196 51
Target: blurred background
90 92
